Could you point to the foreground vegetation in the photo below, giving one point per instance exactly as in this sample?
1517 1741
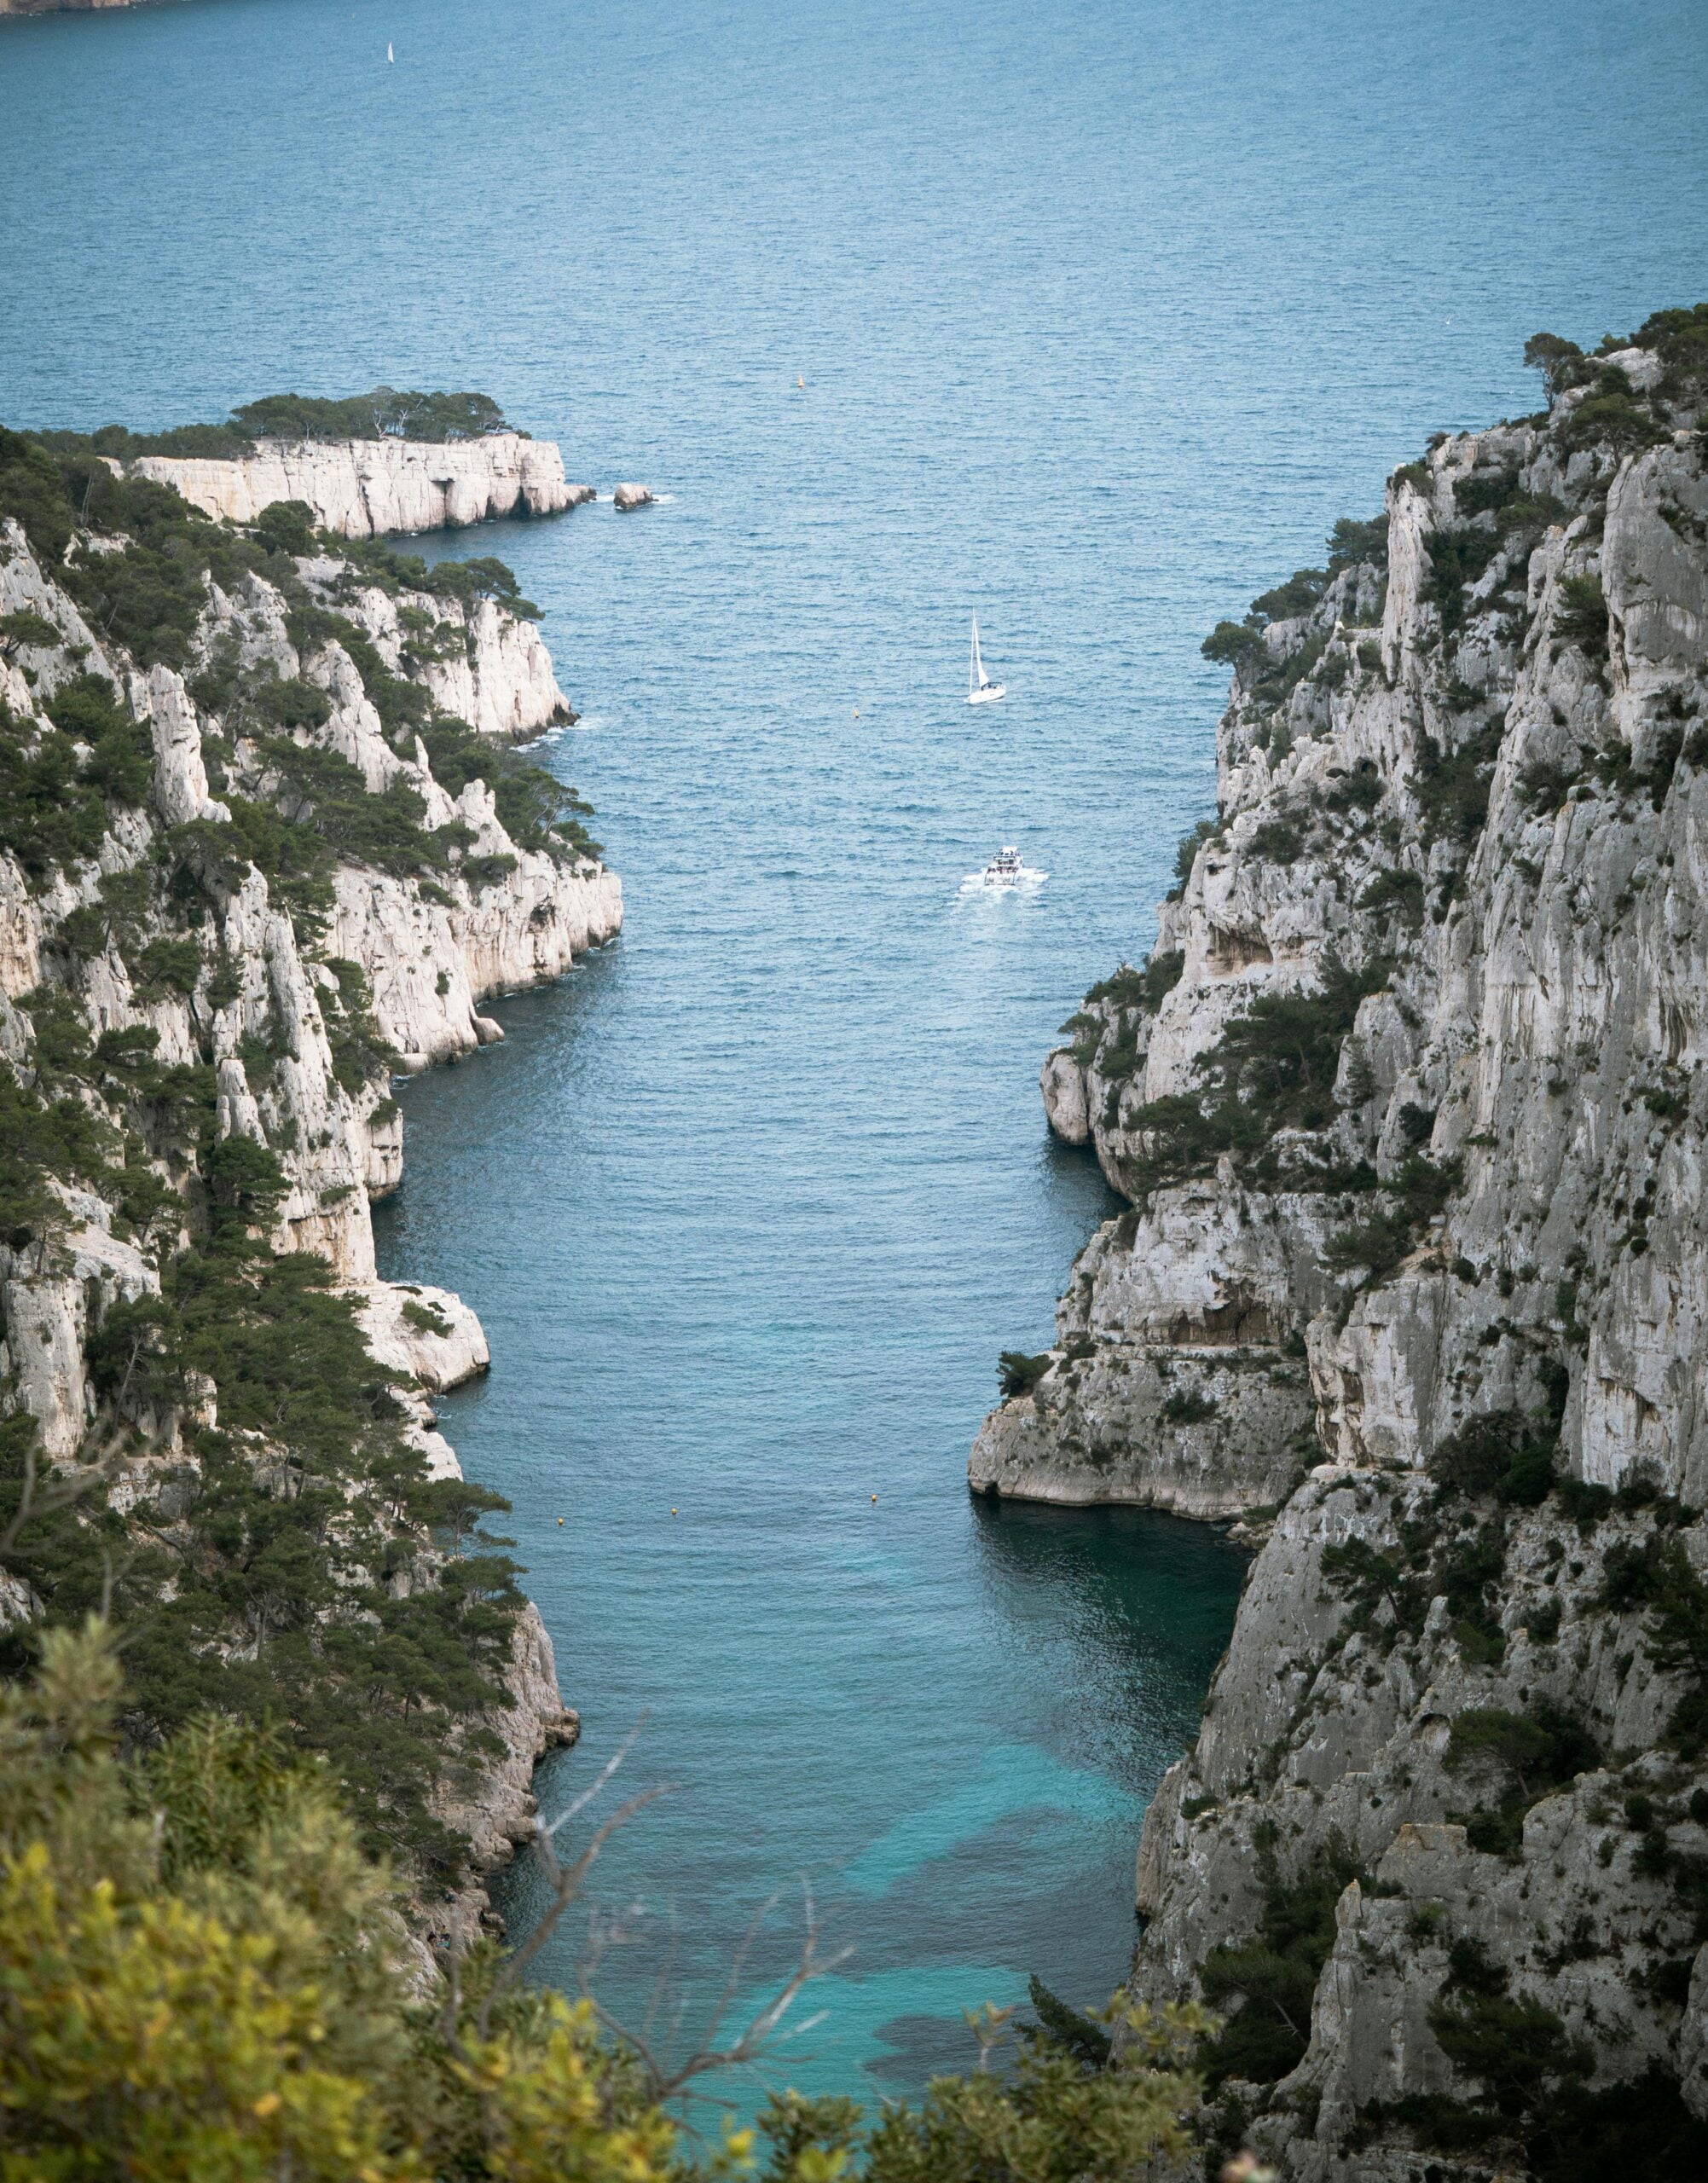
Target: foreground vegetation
203 1979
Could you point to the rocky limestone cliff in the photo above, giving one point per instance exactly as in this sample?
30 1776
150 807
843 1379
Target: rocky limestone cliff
364 489
1410 1107
249 865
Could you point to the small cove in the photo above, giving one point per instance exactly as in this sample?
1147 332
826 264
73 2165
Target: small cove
1104 315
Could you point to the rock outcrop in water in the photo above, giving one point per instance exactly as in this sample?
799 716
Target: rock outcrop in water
1411 1109
249 864
363 488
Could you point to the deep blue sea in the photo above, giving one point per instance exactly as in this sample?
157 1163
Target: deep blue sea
1106 309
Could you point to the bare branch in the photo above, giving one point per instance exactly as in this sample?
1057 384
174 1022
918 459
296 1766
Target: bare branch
566 1885
763 2032
453 2008
574 1809
764 2029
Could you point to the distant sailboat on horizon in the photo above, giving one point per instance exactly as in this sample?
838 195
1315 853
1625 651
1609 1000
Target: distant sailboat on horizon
980 690
390 55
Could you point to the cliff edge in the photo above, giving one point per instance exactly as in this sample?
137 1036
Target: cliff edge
1410 1107
251 863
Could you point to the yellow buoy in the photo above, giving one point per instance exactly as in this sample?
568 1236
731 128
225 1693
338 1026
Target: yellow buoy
801 380
560 1519
673 1512
874 1496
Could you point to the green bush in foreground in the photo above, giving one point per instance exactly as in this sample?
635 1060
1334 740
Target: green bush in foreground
204 1980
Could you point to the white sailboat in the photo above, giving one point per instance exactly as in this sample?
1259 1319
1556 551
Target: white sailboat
980 690
390 55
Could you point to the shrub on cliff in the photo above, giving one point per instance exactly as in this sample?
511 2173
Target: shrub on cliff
1186 854
1143 989
1501 1452
1272 1977
1017 1374
1518 1758
1561 363
482 575
1353 544
1231 644
1459 553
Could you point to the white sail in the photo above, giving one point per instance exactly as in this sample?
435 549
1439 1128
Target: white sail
979 687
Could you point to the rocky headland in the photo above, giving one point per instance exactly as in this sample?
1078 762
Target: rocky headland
1410 1107
263 842
59 7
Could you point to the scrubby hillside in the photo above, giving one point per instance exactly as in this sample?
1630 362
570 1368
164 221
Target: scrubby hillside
252 860
1410 1106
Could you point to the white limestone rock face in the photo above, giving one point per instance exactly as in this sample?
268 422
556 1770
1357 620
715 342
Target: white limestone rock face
1062 1082
1547 972
502 683
424 1334
627 498
298 1107
483 665
430 965
1471 1222
363 488
52 1296
21 932
180 789
1100 1430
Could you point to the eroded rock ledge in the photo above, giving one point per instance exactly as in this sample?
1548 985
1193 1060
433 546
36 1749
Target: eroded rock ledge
1410 1107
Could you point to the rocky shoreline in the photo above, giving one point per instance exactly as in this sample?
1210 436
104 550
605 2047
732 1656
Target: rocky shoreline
1409 1107
296 871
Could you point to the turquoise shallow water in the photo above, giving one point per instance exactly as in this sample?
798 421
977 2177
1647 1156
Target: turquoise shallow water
1106 311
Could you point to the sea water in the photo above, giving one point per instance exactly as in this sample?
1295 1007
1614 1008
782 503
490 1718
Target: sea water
1105 311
